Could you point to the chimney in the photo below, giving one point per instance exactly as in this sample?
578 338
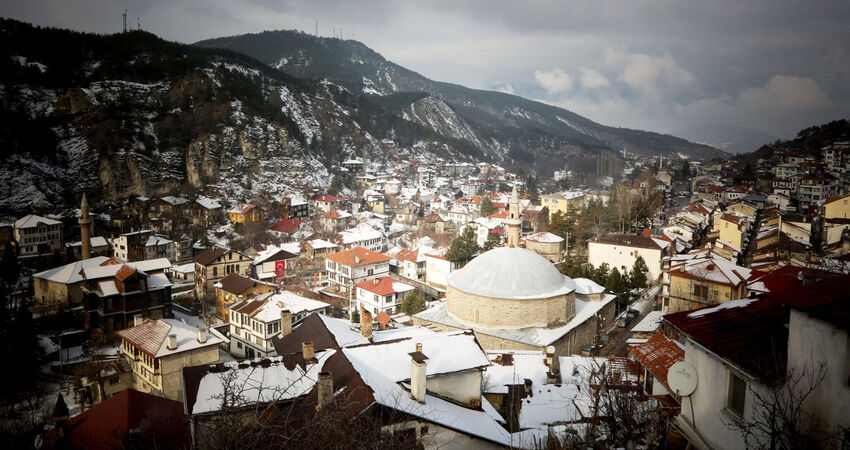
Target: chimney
307 351
550 352
172 341
418 375
325 388
527 387
419 347
366 323
285 322
137 320
553 376
202 336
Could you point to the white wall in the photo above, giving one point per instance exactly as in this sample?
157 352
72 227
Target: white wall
811 341
709 400
618 255
437 271
464 387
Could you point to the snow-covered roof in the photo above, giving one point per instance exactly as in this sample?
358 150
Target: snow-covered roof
207 202
97 241
388 392
447 352
261 383
649 323
70 273
291 301
544 236
32 221
157 240
184 268
586 286
360 233
347 334
534 336
726 305
512 273
321 244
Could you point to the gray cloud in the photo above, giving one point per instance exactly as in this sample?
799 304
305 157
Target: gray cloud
774 65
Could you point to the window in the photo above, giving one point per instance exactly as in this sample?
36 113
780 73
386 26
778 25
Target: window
735 398
701 291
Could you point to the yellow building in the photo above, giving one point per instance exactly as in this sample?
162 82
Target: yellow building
705 281
246 213
235 288
837 207
158 350
731 230
742 208
562 201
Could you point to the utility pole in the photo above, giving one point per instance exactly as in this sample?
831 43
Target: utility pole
124 15
317 28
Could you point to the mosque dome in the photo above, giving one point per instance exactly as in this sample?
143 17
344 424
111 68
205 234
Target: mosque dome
511 273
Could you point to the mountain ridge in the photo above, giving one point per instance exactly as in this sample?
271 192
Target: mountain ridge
305 55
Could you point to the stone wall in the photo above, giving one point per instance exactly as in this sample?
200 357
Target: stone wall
505 313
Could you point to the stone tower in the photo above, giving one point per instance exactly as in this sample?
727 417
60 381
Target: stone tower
85 228
514 221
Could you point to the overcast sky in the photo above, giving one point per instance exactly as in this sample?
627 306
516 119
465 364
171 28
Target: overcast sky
775 66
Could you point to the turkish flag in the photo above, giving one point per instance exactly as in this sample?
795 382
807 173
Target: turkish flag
279 267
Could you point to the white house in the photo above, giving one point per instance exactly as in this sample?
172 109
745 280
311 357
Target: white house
438 268
363 235
620 251
740 347
37 235
349 267
382 294
254 322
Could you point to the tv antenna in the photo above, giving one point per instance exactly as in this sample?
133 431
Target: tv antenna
124 15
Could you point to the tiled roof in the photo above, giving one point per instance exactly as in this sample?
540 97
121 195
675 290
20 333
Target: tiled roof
148 336
750 335
384 286
236 284
657 355
286 225
208 256
628 240
357 256
242 208
127 413
326 198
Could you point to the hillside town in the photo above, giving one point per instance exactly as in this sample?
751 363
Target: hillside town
668 303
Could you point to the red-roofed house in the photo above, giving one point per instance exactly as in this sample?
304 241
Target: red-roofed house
285 227
157 350
349 267
383 294
787 340
128 419
326 202
656 356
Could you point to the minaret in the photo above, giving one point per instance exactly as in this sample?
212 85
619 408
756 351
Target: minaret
514 220
85 223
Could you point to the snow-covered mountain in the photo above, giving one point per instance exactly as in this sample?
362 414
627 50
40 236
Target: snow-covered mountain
130 114
360 69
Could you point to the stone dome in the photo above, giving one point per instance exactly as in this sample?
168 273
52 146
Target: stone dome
511 273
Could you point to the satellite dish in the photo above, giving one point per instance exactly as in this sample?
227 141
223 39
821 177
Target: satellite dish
682 378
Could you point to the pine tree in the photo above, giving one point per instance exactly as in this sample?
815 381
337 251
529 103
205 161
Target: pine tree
487 207
413 303
493 240
637 278
463 248
600 274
